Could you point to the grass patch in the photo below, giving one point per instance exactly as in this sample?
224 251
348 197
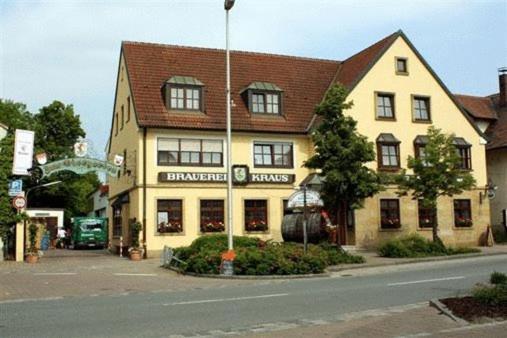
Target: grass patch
256 257
414 246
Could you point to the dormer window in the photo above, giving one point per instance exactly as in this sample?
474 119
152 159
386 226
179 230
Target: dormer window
264 98
184 93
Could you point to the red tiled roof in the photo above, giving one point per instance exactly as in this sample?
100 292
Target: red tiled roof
478 107
303 81
498 129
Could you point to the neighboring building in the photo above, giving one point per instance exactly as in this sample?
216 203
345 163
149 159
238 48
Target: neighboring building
99 202
51 220
169 125
490 114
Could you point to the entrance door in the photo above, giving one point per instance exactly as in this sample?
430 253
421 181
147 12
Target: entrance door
52 227
342 224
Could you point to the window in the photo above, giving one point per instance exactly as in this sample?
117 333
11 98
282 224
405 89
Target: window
462 213
117 222
390 214
169 216
421 106
117 123
266 103
276 154
256 215
464 150
427 216
388 152
122 117
285 206
189 152
185 98
385 106
258 103
212 216
124 161
128 108
401 66
420 148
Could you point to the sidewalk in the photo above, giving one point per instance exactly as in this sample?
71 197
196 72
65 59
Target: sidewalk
405 321
374 260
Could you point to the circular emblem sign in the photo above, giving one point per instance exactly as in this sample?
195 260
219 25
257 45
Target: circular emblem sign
19 202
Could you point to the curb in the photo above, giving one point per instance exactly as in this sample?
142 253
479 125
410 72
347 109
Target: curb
442 308
338 268
251 277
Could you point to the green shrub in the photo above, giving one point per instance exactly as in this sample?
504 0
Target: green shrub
498 278
491 295
417 246
255 257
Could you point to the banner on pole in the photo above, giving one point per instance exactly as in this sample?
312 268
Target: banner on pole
23 152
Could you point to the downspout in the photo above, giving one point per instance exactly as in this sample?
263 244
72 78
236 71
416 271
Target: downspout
144 192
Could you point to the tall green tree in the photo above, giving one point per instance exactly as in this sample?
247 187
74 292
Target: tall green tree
436 173
341 154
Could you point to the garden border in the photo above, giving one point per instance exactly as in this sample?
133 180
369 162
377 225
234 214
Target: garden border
251 277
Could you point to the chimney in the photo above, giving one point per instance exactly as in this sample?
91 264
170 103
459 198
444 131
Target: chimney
502 78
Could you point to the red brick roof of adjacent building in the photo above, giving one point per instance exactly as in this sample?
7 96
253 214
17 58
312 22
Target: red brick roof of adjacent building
479 107
304 82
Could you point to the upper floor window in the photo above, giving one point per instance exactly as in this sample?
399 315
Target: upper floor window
264 98
401 66
421 108
184 93
128 108
273 154
464 150
191 152
122 116
388 152
385 106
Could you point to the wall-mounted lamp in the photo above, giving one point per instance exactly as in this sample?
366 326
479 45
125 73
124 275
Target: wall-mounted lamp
489 191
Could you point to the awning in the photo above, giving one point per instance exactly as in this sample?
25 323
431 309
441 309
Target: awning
185 80
421 140
387 138
122 199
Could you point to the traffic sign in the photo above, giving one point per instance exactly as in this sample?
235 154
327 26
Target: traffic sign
15 187
19 202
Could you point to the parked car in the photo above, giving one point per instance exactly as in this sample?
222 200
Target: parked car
89 232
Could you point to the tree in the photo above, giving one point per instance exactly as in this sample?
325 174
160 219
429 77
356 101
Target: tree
341 154
437 173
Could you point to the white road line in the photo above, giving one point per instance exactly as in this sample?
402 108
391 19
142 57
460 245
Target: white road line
135 274
55 273
426 281
227 299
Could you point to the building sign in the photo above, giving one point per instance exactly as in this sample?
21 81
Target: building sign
23 152
80 166
297 199
240 174
222 177
15 187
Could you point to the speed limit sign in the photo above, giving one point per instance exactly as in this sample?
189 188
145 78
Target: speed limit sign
19 202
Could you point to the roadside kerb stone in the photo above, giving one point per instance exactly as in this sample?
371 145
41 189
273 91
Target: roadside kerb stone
254 277
445 310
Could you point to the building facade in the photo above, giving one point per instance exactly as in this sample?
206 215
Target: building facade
169 126
99 202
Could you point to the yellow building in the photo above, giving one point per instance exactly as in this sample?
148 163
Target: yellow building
169 125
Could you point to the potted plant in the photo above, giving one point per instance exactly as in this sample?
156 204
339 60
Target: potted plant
135 251
32 255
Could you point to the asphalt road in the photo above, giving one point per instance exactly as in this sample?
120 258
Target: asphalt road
218 311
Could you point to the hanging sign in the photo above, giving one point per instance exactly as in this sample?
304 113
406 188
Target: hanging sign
80 166
15 187
297 199
41 158
81 148
23 152
118 160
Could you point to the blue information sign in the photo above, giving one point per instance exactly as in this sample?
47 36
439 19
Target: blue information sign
15 187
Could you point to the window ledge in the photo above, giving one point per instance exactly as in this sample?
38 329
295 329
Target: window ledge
186 112
422 121
391 230
401 73
164 234
463 228
262 232
267 116
425 229
387 119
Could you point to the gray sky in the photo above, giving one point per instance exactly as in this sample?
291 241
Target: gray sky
68 50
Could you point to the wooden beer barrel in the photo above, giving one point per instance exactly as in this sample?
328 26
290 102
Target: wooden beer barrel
292 228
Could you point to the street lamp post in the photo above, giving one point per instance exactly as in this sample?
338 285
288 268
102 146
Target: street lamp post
228 266
37 187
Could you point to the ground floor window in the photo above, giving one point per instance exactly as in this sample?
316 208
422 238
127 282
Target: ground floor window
117 222
169 216
427 216
462 213
389 214
256 215
212 216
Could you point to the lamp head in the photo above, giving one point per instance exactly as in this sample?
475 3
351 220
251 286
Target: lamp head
228 4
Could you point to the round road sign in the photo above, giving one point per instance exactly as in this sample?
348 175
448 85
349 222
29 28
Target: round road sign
19 202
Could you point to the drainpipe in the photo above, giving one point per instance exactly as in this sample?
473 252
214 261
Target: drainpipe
144 192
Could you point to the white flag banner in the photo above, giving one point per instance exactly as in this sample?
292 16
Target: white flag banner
23 152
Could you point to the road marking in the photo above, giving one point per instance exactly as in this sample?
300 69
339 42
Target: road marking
426 281
55 273
227 299
135 274
23 300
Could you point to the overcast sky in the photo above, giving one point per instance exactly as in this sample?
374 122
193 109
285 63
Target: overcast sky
68 50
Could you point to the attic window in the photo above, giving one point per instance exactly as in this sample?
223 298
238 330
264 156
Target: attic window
183 93
401 66
264 98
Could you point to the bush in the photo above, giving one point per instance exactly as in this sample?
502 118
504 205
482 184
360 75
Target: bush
417 246
498 278
255 257
491 295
